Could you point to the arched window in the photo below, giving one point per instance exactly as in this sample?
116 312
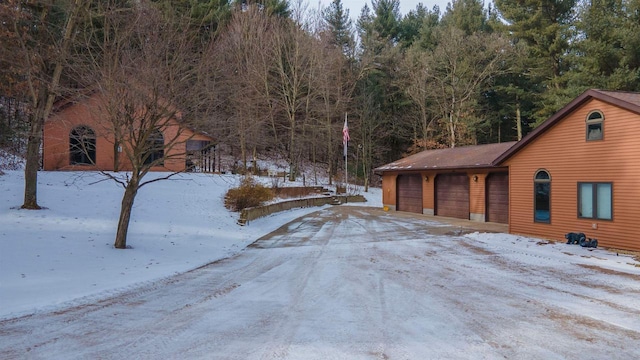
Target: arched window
82 146
595 126
542 197
155 148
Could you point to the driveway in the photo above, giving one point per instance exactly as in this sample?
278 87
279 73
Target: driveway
360 283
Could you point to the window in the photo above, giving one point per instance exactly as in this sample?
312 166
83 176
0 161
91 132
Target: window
155 148
82 146
542 197
595 129
595 201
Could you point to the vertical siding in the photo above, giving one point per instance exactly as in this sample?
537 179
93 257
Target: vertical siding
569 159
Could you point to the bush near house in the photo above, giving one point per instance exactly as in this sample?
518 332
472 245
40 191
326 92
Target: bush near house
248 194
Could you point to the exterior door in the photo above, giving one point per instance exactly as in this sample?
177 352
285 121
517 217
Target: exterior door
409 190
452 195
497 195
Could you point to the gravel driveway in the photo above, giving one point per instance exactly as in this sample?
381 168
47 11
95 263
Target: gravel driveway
359 283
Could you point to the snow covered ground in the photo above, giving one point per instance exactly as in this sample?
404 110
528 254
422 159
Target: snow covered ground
65 252
322 283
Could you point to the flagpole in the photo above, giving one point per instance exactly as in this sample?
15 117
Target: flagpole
346 172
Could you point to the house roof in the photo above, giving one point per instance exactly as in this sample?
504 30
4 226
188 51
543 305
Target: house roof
626 100
465 157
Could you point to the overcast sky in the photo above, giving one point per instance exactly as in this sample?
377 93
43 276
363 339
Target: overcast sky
355 6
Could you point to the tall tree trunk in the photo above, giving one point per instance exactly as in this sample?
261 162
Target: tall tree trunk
292 134
452 131
116 156
243 150
518 120
125 212
43 102
33 157
330 149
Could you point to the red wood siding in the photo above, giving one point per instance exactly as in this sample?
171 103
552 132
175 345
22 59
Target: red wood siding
569 159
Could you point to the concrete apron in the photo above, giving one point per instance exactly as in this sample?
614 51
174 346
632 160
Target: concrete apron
461 225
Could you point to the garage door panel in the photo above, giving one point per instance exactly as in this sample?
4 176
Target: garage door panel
409 190
497 195
452 195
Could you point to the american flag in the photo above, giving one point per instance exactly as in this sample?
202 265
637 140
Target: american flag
345 132
345 135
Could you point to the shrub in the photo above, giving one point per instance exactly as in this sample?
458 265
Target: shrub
248 194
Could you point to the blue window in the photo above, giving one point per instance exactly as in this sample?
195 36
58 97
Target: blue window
542 197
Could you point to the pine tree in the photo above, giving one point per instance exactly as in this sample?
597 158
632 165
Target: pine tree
545 26
467 15
609 53
340 25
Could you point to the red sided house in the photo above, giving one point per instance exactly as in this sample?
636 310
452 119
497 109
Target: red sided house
579 171
78 137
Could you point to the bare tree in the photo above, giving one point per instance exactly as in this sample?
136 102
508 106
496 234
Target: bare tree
245 64
43 32
457 69
293 68
417 86
335 83
146 80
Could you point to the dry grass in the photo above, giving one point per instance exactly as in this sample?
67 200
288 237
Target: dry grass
248 194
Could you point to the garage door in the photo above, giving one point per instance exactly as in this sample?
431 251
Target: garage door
409 193
452 195
497 188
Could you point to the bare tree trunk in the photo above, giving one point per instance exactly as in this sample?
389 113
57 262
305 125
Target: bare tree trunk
452 130
518 120
292 136
125 212
330 169
254 161
116 155
243 149
32 163
43 102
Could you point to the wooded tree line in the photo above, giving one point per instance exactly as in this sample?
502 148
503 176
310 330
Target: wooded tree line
279 77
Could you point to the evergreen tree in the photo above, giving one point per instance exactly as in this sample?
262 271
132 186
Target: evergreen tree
545 26
386 22
340 25
467 15
380 84
608 56
418 25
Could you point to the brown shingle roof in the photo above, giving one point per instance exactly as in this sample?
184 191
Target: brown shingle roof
626 100
465 157
630 98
